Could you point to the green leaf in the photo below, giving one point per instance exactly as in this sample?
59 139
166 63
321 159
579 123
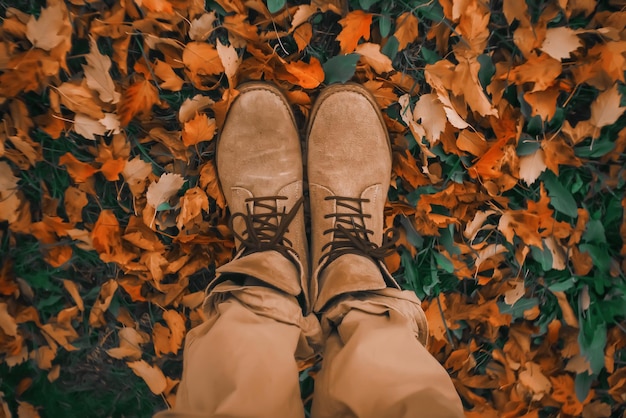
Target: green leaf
391 48
443 263
527 145
599 254
487 69
543 256
560 198
595 149
366 4
341 68
592 340
429 56
582 384
275 5
518 308
384 24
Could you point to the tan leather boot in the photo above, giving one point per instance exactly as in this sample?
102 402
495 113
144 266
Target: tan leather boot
259 165
349 168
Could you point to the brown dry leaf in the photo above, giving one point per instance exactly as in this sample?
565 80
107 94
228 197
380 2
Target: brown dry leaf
543 103
192 204
201 27
130 342
531 166
533 378
161 191
163 6
356 25
304 12
46 32
569 316
105 235
137 98
406 29
136 173
9 200
565 394
192 106
97 74
466 83
230 61
101 305
176 324
302 35
79 99
169 79
473 27
606 109
199 129
26 410
561 42
371 55
7 322
87 127
152 375
210 183
79 171
305 75
201 59
72 289
430 111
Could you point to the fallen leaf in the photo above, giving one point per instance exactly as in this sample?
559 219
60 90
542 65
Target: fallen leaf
102 303
606 109
169 79
7 322
531 166
561 42
152 375
191 206
193 105
371 55
305 75
78 170
137 98
230 61
72 289
199 129
533 378
161 191
356 25
430 111
163 6
201 27
406 29
97 74
130 344
45 32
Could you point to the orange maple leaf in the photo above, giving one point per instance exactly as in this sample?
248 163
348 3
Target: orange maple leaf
356 25
305 75
138 98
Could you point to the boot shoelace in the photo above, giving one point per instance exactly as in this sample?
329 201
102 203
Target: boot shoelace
350 234
265 231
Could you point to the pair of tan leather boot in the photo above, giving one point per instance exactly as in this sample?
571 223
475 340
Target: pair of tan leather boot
260 168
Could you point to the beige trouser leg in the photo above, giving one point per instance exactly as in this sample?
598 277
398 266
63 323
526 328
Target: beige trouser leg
375 366
241 362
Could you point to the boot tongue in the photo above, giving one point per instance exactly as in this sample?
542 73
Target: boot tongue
270 267
348 273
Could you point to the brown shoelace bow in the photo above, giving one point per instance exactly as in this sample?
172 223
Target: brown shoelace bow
350 236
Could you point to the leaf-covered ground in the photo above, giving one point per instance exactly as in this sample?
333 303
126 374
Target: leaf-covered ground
508 187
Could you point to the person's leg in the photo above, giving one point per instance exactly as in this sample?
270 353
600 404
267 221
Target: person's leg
375 363
242 361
